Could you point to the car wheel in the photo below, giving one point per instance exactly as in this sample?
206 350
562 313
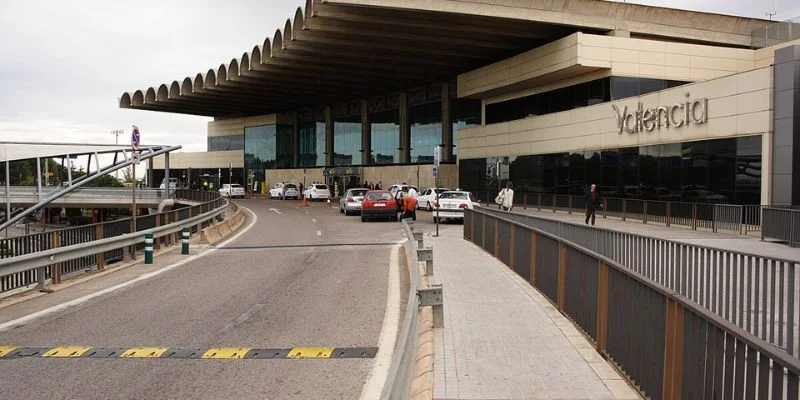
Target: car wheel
363 219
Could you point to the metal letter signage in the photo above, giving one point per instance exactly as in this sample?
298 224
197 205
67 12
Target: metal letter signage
650 119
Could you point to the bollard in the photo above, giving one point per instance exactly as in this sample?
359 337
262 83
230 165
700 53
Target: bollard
185 244
148 248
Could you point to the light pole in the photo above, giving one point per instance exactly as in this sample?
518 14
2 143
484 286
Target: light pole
116 133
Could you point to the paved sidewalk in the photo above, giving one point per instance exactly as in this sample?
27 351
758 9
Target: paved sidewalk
727 241
502 339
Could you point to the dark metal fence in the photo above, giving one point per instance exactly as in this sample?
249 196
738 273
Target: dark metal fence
742 219
782 223
759 294
667 346
33 243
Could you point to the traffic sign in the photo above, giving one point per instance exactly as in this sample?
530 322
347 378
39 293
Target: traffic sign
436 156
136 137
435 171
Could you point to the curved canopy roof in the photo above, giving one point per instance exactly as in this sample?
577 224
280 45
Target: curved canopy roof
339 50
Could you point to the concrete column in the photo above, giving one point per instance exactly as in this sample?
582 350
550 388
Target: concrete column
366 134
295 143
166 174
405 130
328 136
447 124
786 137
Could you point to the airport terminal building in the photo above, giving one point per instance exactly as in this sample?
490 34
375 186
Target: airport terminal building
647 102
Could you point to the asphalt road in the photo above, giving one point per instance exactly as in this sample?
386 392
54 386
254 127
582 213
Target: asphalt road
298 277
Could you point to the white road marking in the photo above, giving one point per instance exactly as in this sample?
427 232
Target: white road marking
72 303
391 325
314 220
319 233
276 210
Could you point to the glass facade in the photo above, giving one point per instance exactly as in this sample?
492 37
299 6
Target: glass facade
225 143
267 147
720 170
576 96
311 144
425 121
385 136
347 140
464 113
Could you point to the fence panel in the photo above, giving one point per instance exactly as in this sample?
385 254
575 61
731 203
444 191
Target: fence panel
581 284
781 224
728 217
547 266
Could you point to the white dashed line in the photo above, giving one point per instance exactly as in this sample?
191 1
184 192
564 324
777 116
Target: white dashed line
319 233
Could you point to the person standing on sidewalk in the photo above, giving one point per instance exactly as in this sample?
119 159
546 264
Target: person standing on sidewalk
506 197
593 202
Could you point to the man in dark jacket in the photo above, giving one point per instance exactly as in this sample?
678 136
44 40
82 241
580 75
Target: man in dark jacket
593 202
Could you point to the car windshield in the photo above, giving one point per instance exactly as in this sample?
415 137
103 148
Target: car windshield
321 187
440 191
379 196
359 192
290 186
236 186
454 196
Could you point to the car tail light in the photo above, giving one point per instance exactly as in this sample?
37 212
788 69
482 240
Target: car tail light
350 200
463 206
436 204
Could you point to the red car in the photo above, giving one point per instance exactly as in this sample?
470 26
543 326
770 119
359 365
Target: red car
378 204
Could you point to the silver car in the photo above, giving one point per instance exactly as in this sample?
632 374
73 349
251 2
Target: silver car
350 203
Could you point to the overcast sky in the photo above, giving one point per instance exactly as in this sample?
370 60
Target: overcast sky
64 64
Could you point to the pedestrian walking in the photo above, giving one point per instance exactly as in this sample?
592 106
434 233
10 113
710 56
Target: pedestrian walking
593 202
378 185
505 199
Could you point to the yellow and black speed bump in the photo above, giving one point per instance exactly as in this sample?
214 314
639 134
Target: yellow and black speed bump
215 353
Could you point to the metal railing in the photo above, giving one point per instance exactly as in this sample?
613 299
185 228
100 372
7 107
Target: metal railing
667 346
12 248
776 33
757 293
708 216
782 223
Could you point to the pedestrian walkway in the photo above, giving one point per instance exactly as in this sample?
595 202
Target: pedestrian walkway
721 240
502 339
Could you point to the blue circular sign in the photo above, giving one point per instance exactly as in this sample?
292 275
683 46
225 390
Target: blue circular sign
135 137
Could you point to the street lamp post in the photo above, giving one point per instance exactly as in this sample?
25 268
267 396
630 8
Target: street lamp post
117 133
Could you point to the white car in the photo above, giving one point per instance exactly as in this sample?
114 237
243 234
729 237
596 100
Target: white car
427 197
284 190
317 191
232 191
451 205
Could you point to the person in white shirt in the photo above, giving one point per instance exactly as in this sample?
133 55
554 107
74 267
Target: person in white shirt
508 197
412 192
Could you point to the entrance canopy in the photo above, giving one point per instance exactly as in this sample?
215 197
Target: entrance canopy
340 50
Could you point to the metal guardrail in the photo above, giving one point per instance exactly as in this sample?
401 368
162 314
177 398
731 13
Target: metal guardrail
759 294
667 346
14 247
782 224
144 193
401 373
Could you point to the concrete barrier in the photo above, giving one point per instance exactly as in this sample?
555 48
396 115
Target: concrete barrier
220 230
